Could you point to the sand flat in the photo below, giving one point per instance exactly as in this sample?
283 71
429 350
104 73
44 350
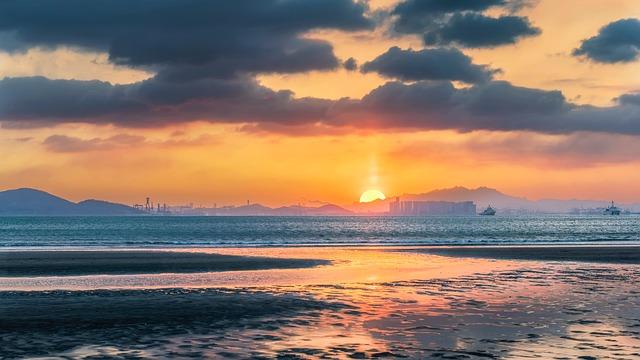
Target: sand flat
528 310
104 262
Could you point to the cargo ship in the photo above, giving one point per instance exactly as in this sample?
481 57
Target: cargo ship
488 211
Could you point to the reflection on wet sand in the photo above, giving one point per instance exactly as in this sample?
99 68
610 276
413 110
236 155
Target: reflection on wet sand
348 265
428 307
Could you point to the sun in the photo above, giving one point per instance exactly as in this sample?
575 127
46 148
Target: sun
371 195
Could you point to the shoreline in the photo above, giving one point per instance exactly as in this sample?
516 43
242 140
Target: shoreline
42 262
606 254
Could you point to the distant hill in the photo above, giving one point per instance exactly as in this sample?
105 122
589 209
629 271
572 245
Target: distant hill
245 210
294 210
324 210
35 202
27 201
484 196
101 207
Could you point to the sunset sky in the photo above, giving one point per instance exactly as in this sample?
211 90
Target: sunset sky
293 101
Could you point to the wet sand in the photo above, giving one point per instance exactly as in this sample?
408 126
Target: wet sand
68 263
581 253
368 304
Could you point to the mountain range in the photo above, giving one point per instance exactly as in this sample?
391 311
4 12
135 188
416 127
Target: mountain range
261 210
27 201
484 196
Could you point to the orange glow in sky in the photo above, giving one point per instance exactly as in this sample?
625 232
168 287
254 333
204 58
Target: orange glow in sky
206 161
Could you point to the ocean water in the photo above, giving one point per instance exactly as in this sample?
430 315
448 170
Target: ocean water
158 231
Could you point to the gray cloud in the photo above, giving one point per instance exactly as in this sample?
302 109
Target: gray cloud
617 42
153 102
428 64
63 143
351 64
210 38
72 144
496 105
630 99
581 149
413 16
493 105
205 56
462 23
477 30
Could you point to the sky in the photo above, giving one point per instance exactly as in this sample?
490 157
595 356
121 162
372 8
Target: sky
298 101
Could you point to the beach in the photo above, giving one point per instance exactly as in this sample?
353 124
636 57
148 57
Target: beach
366 302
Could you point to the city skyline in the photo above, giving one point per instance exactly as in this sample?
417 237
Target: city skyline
320 100
452 201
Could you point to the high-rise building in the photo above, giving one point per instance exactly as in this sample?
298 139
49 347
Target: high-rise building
422 208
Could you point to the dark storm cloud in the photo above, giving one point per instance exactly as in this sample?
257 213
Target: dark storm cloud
414 15
630 99
218 37
493 105
617 42
428 64
426 7
476 30
462 23
350 64
205 55
152 102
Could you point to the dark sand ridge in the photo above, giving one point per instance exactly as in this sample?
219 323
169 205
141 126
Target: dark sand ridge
67 263
598 254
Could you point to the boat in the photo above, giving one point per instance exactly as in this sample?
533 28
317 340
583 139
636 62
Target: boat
488 211
612 210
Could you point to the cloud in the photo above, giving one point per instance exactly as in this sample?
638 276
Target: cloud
495 105
351 64
492 105
23 139
617 42
462 23
204 56
414 15
630 99
579 150
150 103
65 144
477 30
428 64
71 144
209 38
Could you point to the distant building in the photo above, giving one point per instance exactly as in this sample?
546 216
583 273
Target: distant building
422 208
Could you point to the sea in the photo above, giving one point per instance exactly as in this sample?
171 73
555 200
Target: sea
180 231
